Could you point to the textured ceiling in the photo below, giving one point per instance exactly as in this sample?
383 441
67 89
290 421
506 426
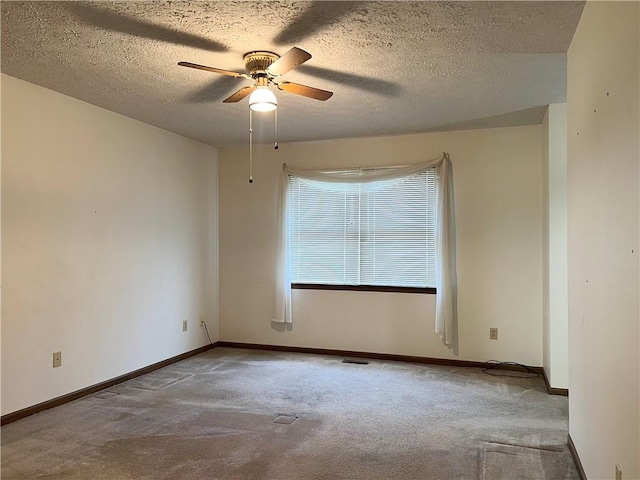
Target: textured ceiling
394 67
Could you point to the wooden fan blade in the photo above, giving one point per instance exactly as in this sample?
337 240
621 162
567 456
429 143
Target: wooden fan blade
288 61
214 70
239 95
305 91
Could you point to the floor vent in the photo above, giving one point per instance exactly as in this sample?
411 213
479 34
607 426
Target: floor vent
357 362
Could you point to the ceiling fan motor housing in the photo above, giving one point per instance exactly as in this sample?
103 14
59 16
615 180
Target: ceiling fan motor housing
257 63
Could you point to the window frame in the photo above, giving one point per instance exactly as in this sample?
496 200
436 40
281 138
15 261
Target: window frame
364 287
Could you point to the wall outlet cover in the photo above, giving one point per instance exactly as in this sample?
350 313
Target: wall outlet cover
57 359
493 334
184 325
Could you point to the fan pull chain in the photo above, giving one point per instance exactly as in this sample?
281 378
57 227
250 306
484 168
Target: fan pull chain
275 143
250 146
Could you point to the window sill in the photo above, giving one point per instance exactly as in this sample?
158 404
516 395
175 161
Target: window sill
363 288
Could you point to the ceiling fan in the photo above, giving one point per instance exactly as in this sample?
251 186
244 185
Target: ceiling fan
265 68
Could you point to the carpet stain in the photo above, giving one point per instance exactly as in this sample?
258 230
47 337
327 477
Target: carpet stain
285 419
105 394
158 380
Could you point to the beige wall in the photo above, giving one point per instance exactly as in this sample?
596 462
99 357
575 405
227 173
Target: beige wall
498 199
604 208
554 245
109 242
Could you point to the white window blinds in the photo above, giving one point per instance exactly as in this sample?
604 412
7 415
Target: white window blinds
380 233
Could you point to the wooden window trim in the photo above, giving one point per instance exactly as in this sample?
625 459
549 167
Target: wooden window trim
363 288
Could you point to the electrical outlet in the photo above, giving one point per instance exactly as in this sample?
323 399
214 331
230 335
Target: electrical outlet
184 325
493 334
618 472
57 359
202 324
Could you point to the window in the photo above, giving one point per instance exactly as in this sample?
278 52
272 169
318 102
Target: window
363 234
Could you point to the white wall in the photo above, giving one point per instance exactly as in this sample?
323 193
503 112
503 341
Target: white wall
554 245
109 242
498 201
604 209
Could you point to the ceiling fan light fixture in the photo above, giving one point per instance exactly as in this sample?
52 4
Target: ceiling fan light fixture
263 67
262 99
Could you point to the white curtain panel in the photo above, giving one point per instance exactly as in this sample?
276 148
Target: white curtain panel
446 283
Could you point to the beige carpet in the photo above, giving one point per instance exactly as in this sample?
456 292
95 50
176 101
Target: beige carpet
239 414
526 463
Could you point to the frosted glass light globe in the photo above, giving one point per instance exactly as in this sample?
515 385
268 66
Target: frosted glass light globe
262 100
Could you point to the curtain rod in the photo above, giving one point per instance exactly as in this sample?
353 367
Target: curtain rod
445 155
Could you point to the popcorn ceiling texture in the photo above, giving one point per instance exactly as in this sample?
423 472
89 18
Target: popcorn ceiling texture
394 67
